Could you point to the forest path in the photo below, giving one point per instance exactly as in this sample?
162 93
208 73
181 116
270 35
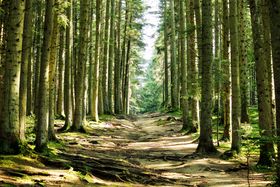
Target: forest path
146 151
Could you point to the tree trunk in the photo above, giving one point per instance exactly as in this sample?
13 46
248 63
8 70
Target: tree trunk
111 58
166 69
67 72
174 76
243 63
52 77
205 139
236 100
60 111
184 97
10 141
95 82
80 77
226 73
43 101
193 87
274 7
264 101
117 78
25 60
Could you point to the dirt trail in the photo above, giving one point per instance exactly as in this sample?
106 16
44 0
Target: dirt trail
148 151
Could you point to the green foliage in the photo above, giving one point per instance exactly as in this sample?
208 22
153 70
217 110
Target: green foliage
148 93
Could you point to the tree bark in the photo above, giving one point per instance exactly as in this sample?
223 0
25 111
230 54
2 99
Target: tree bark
205 139
10 141
43 101
25 60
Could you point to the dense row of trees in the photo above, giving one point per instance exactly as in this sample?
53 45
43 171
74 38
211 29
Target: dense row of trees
65 58
219 57
73 58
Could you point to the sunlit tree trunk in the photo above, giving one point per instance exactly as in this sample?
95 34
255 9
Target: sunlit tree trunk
264 101
68 68
43 101
52 77
193 76
60 111
82 59
25 60
182 38
205 139
111 57
10 126
95 85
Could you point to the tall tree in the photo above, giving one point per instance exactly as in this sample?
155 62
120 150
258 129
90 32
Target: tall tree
193 87
274 7
226 73
111 57
236 100
52 77
43 101
117 77
264 101
166 69
174 75
80 77
25 61
205 139
10 126
243 61
182 37
67 72
95 82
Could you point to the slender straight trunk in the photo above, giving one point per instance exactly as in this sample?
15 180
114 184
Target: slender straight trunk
10 141
124 52
184 98
43 101
193 71
105 59
80 77
111 57
95 82
274 7
226 72
52 77
205 139
217 61
197 12
117 78
67 72
236 100
91 60
243 63
25 60
38 46
268 57
60 111
174 75
100 87
166 69
30 94
264 101
126 76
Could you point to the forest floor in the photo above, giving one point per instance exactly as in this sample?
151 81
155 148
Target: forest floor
147 151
